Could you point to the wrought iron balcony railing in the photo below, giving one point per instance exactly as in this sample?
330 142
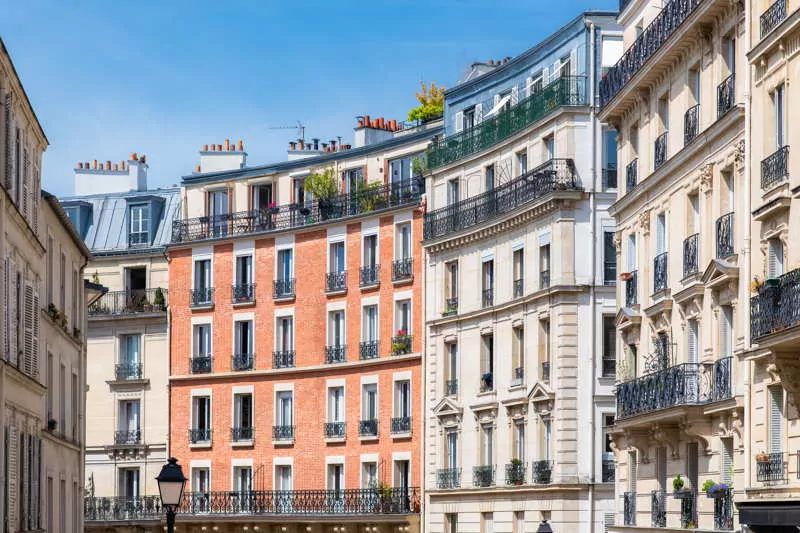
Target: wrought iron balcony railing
726 93
772 17
283 432
516 473
243 293
198 435
546 371
448 478
201 364
368 428
544 279
689 509
608 471
202 297
334 430
336 281
283 288
660 149
242 433
658 508
629 508
127 437
553 175
770 467
335 354
283 359
402 269
121 303
518 377
725 236
243 361
776 307
609 178
519 287
631 175
401 424
563 91
488 297
723 510
691 124
775 168
691 264
483 476
402 344
368 350
660 271
650 41
369 275
451 306
632 289
542 472
679 385
451 387
122 508
125 371
292 216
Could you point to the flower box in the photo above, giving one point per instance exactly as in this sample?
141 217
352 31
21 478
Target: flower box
683 494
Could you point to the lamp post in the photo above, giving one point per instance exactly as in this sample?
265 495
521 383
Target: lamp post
170 487
544 527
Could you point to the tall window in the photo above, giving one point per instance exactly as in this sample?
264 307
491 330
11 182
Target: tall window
128 416
336 404
452 368
283 477
661 233
694 84
451 523
243 330
488 178
453 193
631 252
336 479
242 478
369 401
519 440
202 340
544 266
726 330
547 438
403 316
403 241
518 356
487 363
487 276
369 474
609 259
262 196
130 350
285 335
128 488
218 207
75 414
522 163
370 328
487 444
663 113
244 270
692 341
63 281
283 405
336 328
776 418
402 399
774 258
778 106
451 283
337 263
451 448
201 480
609 347
518 265
139 224
549 144
201 413
243 416
370 250
285 267
202 274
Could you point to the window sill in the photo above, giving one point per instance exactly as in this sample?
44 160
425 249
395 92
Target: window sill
248 303
202 307
242 443
337 292
283 443
138 382
516 387
368 438
403 281
284 298
335 440
370 286
401 435
200 445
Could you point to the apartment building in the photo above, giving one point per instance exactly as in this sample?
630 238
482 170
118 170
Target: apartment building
43 369
296 335
127 228
519 292
677 99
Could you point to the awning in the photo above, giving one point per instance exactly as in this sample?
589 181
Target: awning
499 105
773 514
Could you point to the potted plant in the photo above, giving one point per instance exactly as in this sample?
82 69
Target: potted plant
52 424
756 284
762 457
401 343
146 305
272 208
681 487
159 302
714 489
322 184
517 473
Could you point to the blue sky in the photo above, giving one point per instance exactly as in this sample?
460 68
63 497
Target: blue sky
163 78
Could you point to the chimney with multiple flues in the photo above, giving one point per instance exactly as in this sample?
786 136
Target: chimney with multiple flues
103 177
370 131
218 157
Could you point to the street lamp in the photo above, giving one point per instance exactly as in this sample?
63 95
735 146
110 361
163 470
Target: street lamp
544 527
170 487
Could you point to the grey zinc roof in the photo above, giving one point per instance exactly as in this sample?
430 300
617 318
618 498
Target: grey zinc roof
107 231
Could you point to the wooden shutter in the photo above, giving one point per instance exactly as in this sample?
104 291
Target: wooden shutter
478 113
459 121
775 419
8 149
774 258
14 323
28 319
12 473
35 342
26 189
691 352
632 473
4 294
725 318
726 460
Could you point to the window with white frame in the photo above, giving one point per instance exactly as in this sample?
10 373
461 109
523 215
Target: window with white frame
403 317
369 474
202 274
284 415
284 339
451 448
201 419
774 258
403 240
487 444
139 232
370 323
285 264
283 477
242 478
336 411
200 480
128 424
337 259
402 399
336 324
243 333
244 270
369 401
242 416
336 479
202 340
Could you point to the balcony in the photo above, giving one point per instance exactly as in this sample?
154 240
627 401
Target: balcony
632 289
546 371
726 92
519 288
515 473
544 279
294 216
649 42
660 270
335 354
283 432
553 175
128 371
658 508
660 150
487 298
723 510
451 387
401 425
450 306
776 307
542 472
283 359
283 288
368 350
483 476
448 478
772 17
243 361
775 168
685 384
691 124
202 297
402 269
689 509
770 467
608 471
127 437
199 435
369 276
334 430
201 364
725 236
629 508
691 263
243 293
336 281
368 428
242 433
563 91
631 175
518 377
126 303
402 343
609 178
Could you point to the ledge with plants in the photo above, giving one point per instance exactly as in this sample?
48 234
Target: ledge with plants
714 489
681 488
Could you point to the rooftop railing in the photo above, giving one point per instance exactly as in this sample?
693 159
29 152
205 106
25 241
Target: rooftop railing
117 303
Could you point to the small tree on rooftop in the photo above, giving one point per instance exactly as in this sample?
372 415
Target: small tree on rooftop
431 99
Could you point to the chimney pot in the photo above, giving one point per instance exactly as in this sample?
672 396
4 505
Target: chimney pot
79 165
116 166
108 165
205 148
133 156
394 125
227 144
366 120
361 123
94 163
241 146
143 159
197 169
219 148
213 147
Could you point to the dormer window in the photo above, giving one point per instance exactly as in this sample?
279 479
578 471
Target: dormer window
139 233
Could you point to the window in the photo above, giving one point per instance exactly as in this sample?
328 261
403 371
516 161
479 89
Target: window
50 385
609 259
336 328
336 479
661 233
242 416
776 418
453 194
544 266
487 363
63 281
729 199
369 399
336 404
451 523
242 478
633 133
49 269
139 224
244 270
402 474
519 440
128 422
283 478
726 460
544 348
547 438
518 265
75 414
488 178
774 258
522 163
403 317
243 332
128 485
403 241
610 158
451 286
487 445
663 113
452 368
200 480
402 399
451 448
518 357
337 263
202 274
566 66
370 250
62 392
285 337
692 341
370 323
729 51
631 252
262 196
301 196
283 414
201 417
549 144
218 207
285 267
76 291
778 109
130 352
519 522
202 340
487 282
469 118
369 475
609 347
726 330
694 84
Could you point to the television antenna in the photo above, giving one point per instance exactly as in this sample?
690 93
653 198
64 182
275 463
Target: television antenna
300 127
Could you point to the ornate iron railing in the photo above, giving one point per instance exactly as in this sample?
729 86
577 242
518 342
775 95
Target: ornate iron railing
516 473
402 344
283 359
723 510
451 387
770 468
609 178
283 432
336 354
774 15
291 216
202 297
725 236
689 510
283 288
629 508
121 508
691 124
123 437
658 508
116 303
542 472
334 430
646 45
368 350
518 377
243 361
632 289
243 293
336 281
660 270
608 471
775 168
369 275
679 385
519 287
487 297
631 175
553 175
368 428
726 93
660 150
401 424
545 371
448 478
242 433
402 269
201 364
776 306
691 264
199 435
125 371
564 91
544 279
483 476
450 306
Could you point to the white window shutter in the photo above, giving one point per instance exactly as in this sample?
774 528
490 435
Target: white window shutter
725 319
35 327
26 189
514 95
556 70
4 293
478 113
692 341
27 362
775 419
12 474
727 460
528 87
14 324
632 472
545 77
459 121
573 62
774 258
9 143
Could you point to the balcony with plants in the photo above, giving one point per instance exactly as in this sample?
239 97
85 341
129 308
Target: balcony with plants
130 303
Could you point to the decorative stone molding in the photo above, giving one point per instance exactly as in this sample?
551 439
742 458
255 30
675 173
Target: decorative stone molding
691 432
667 437
644 221
731 426
739 156
707 178
787 366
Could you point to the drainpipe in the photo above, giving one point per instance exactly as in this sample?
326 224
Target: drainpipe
592 295
744 288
